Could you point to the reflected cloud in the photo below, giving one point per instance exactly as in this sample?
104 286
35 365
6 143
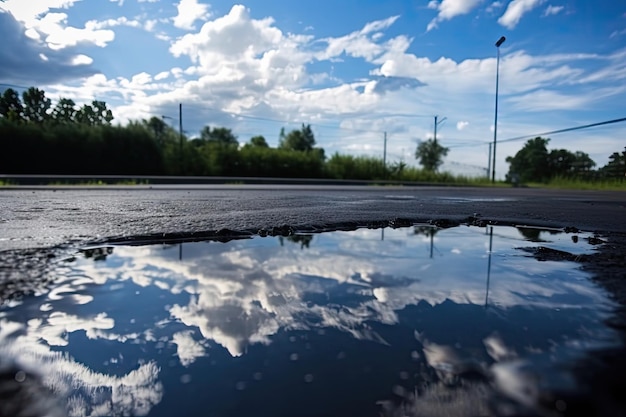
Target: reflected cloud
58 325
87 393
243 292
187 349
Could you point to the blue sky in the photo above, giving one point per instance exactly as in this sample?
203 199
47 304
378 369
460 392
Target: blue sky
352 69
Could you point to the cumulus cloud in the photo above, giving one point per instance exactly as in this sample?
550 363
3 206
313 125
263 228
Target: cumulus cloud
449 9
29 12
552 10
51 27
188 12
240 60
460 125
516 10
26 61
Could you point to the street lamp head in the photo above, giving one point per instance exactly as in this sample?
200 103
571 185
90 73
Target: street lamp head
500 41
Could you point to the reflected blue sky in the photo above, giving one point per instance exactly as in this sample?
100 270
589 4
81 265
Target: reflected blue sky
272 325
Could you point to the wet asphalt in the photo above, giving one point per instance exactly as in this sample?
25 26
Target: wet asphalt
46 217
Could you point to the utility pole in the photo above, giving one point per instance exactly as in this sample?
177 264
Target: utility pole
385 152
437 123
180 131
489 161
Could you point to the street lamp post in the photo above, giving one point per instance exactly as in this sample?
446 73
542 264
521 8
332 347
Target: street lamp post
180 133
495 123
437 123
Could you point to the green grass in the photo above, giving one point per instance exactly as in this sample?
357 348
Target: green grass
608 184
419 175
92 183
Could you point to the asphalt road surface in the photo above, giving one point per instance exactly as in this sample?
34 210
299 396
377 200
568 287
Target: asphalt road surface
46 217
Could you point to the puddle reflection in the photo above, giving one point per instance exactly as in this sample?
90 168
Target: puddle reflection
336 323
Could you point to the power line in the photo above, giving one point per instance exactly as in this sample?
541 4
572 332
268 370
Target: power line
569 129
552 132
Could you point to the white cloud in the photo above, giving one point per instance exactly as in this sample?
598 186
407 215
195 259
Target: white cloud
82 60
460 125
34 62
449 9
59 36
545 100
109 23
188 12
494 6
239 58
516 10
162 75
28 12
52 27
150 24
358 44
552 10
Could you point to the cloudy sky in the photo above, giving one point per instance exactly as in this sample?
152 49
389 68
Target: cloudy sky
353 70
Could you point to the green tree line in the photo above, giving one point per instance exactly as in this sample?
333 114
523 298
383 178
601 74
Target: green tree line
535 163
66 139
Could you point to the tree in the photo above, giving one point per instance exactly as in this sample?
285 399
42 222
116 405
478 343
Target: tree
218 135
531 163
616 167
10 105
302 140
583 162
103 115
64 111
157 126
259 142
563 163
430 154
534 163
36 105
95 114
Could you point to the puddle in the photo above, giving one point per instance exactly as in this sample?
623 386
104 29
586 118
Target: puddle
418 320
